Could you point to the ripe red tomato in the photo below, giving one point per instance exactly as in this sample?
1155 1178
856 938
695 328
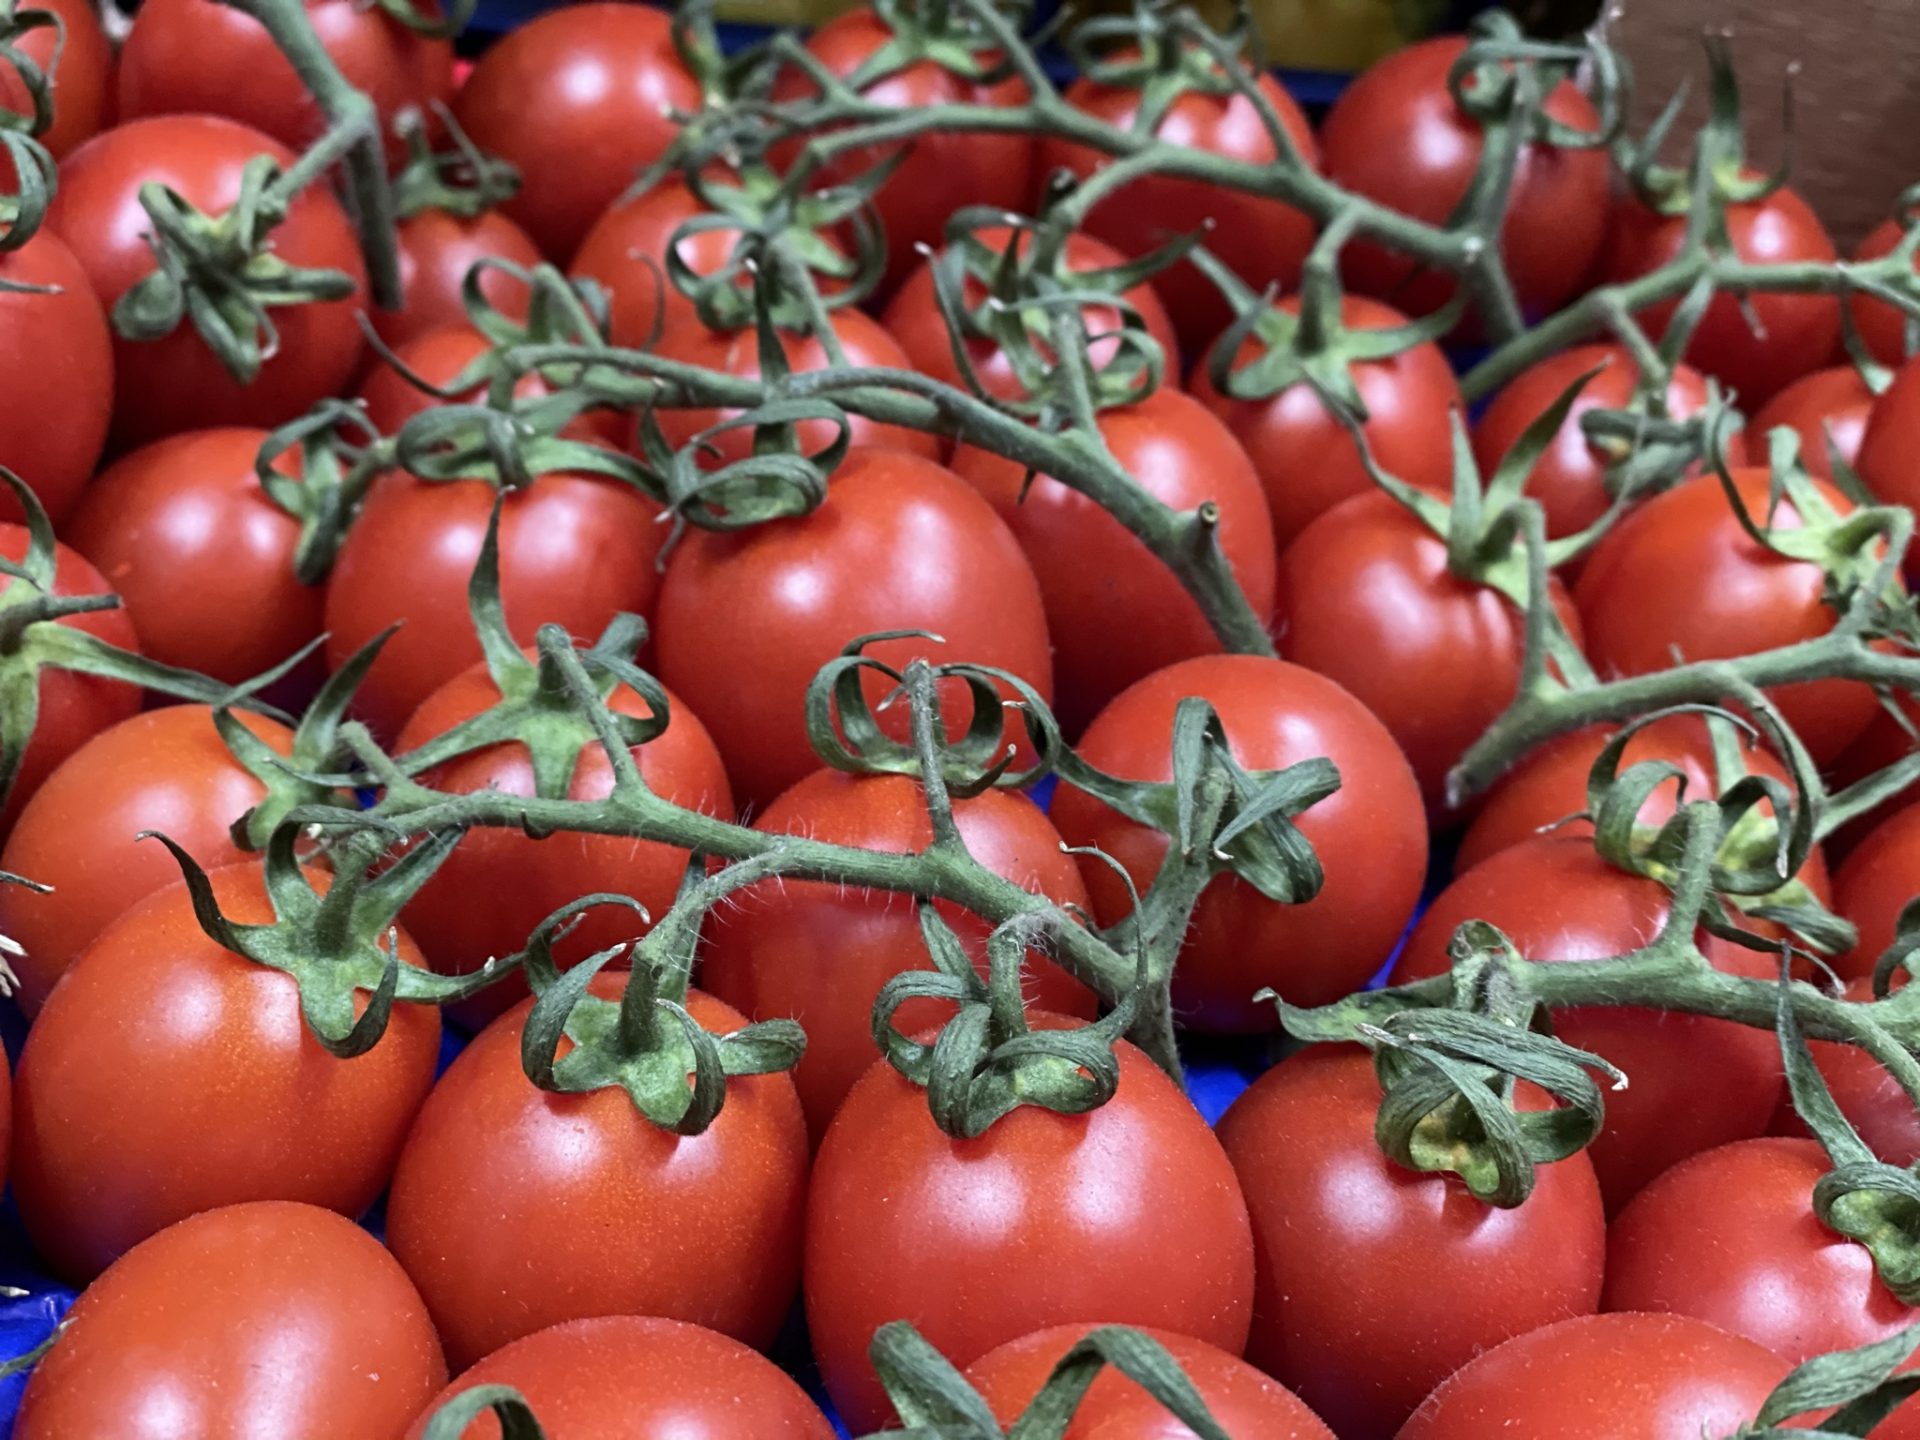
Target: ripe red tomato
436 252
1884 742
56 374
821 953
652 1377
1828 406
165 769
439 358
1374 1283
1885 460
1867 1095
1874 884
269 1318
1882 327
1115 613
581 99
82 78
748 617
500 1181
1370 837
1044 1217
1680 576
1395 135
176 383
626 253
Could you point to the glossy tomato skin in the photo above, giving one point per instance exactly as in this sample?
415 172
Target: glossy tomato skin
1370 836
622 1377
1866 1093
56 375
440 357
1827 409
1679 575
979 1242
1241 1400
580 100
1374 1283
1605 1377
1306 455
1116 614
1696 1082
82 78
626 254
1881 326
500 1180
437 250
266 1318
1874 884
1396 135
1887 448
747 618
164 769
820 953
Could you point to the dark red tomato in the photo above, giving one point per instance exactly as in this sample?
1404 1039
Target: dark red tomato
1696 1082
1370 836
1306 455
1115 613
1043 1218
1827 408
1395 135
271 1318
1606 1377
56 374
1241 1400
1261 241
499 884
1867 1095
1789 336
626 253
1364 597
202 559
1882 327
441 357
436 252
256 1108
82 88
748 617
1374 1283
1680 576
820 953
500 1181
175 383
1570 479
575 551
621 1377
1886 458
1874 884
581 99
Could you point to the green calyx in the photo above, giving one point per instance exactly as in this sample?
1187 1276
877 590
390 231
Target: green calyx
340 455
34 169
1717 174
1155 49
463 180
1502 76
1862 1387
507 1406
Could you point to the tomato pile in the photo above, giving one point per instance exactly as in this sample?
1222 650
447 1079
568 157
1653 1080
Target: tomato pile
941 731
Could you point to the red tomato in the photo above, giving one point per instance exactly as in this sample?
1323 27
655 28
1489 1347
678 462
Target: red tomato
1115 613
1044 1217
176 383
1395 135
1606 1377
1374 1283
581 99
1885 460
166 769
56 374
500 1181
643 1378
1867 1095
899 543
269 1318
821 953
1826 406
626 253
81 80
441 357
1874 884
1882 327
436 252
1696 1082
1680 576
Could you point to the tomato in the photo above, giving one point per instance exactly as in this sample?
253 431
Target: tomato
269 1318
1885 461
626 254
821 953
654 1379
1696 1082
1115 613
1881 326
176 383
164 769
1826 408
1042 1219
1870 1098
1570 478
1874 884
1790 335
439 358
81 88
1605 1377
1680 576
1396 135
436 252
581 100
748 617
1374 1283
56 375
1370 836
501 1181
1241 1400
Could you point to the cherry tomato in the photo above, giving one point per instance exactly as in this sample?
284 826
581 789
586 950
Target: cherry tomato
1870 1098
748 617
500 1181
1044 1217
1873 886
1881 326
1885 461
1828 410
581 99
436 252
1115 613
56 374
271 1318
82 89
439 358
1374 1283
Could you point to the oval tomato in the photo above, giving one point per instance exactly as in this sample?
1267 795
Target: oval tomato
1881 326
1885 460
56 375
436 252
1870 1098
1828 410
82 77
1874 884
441 357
